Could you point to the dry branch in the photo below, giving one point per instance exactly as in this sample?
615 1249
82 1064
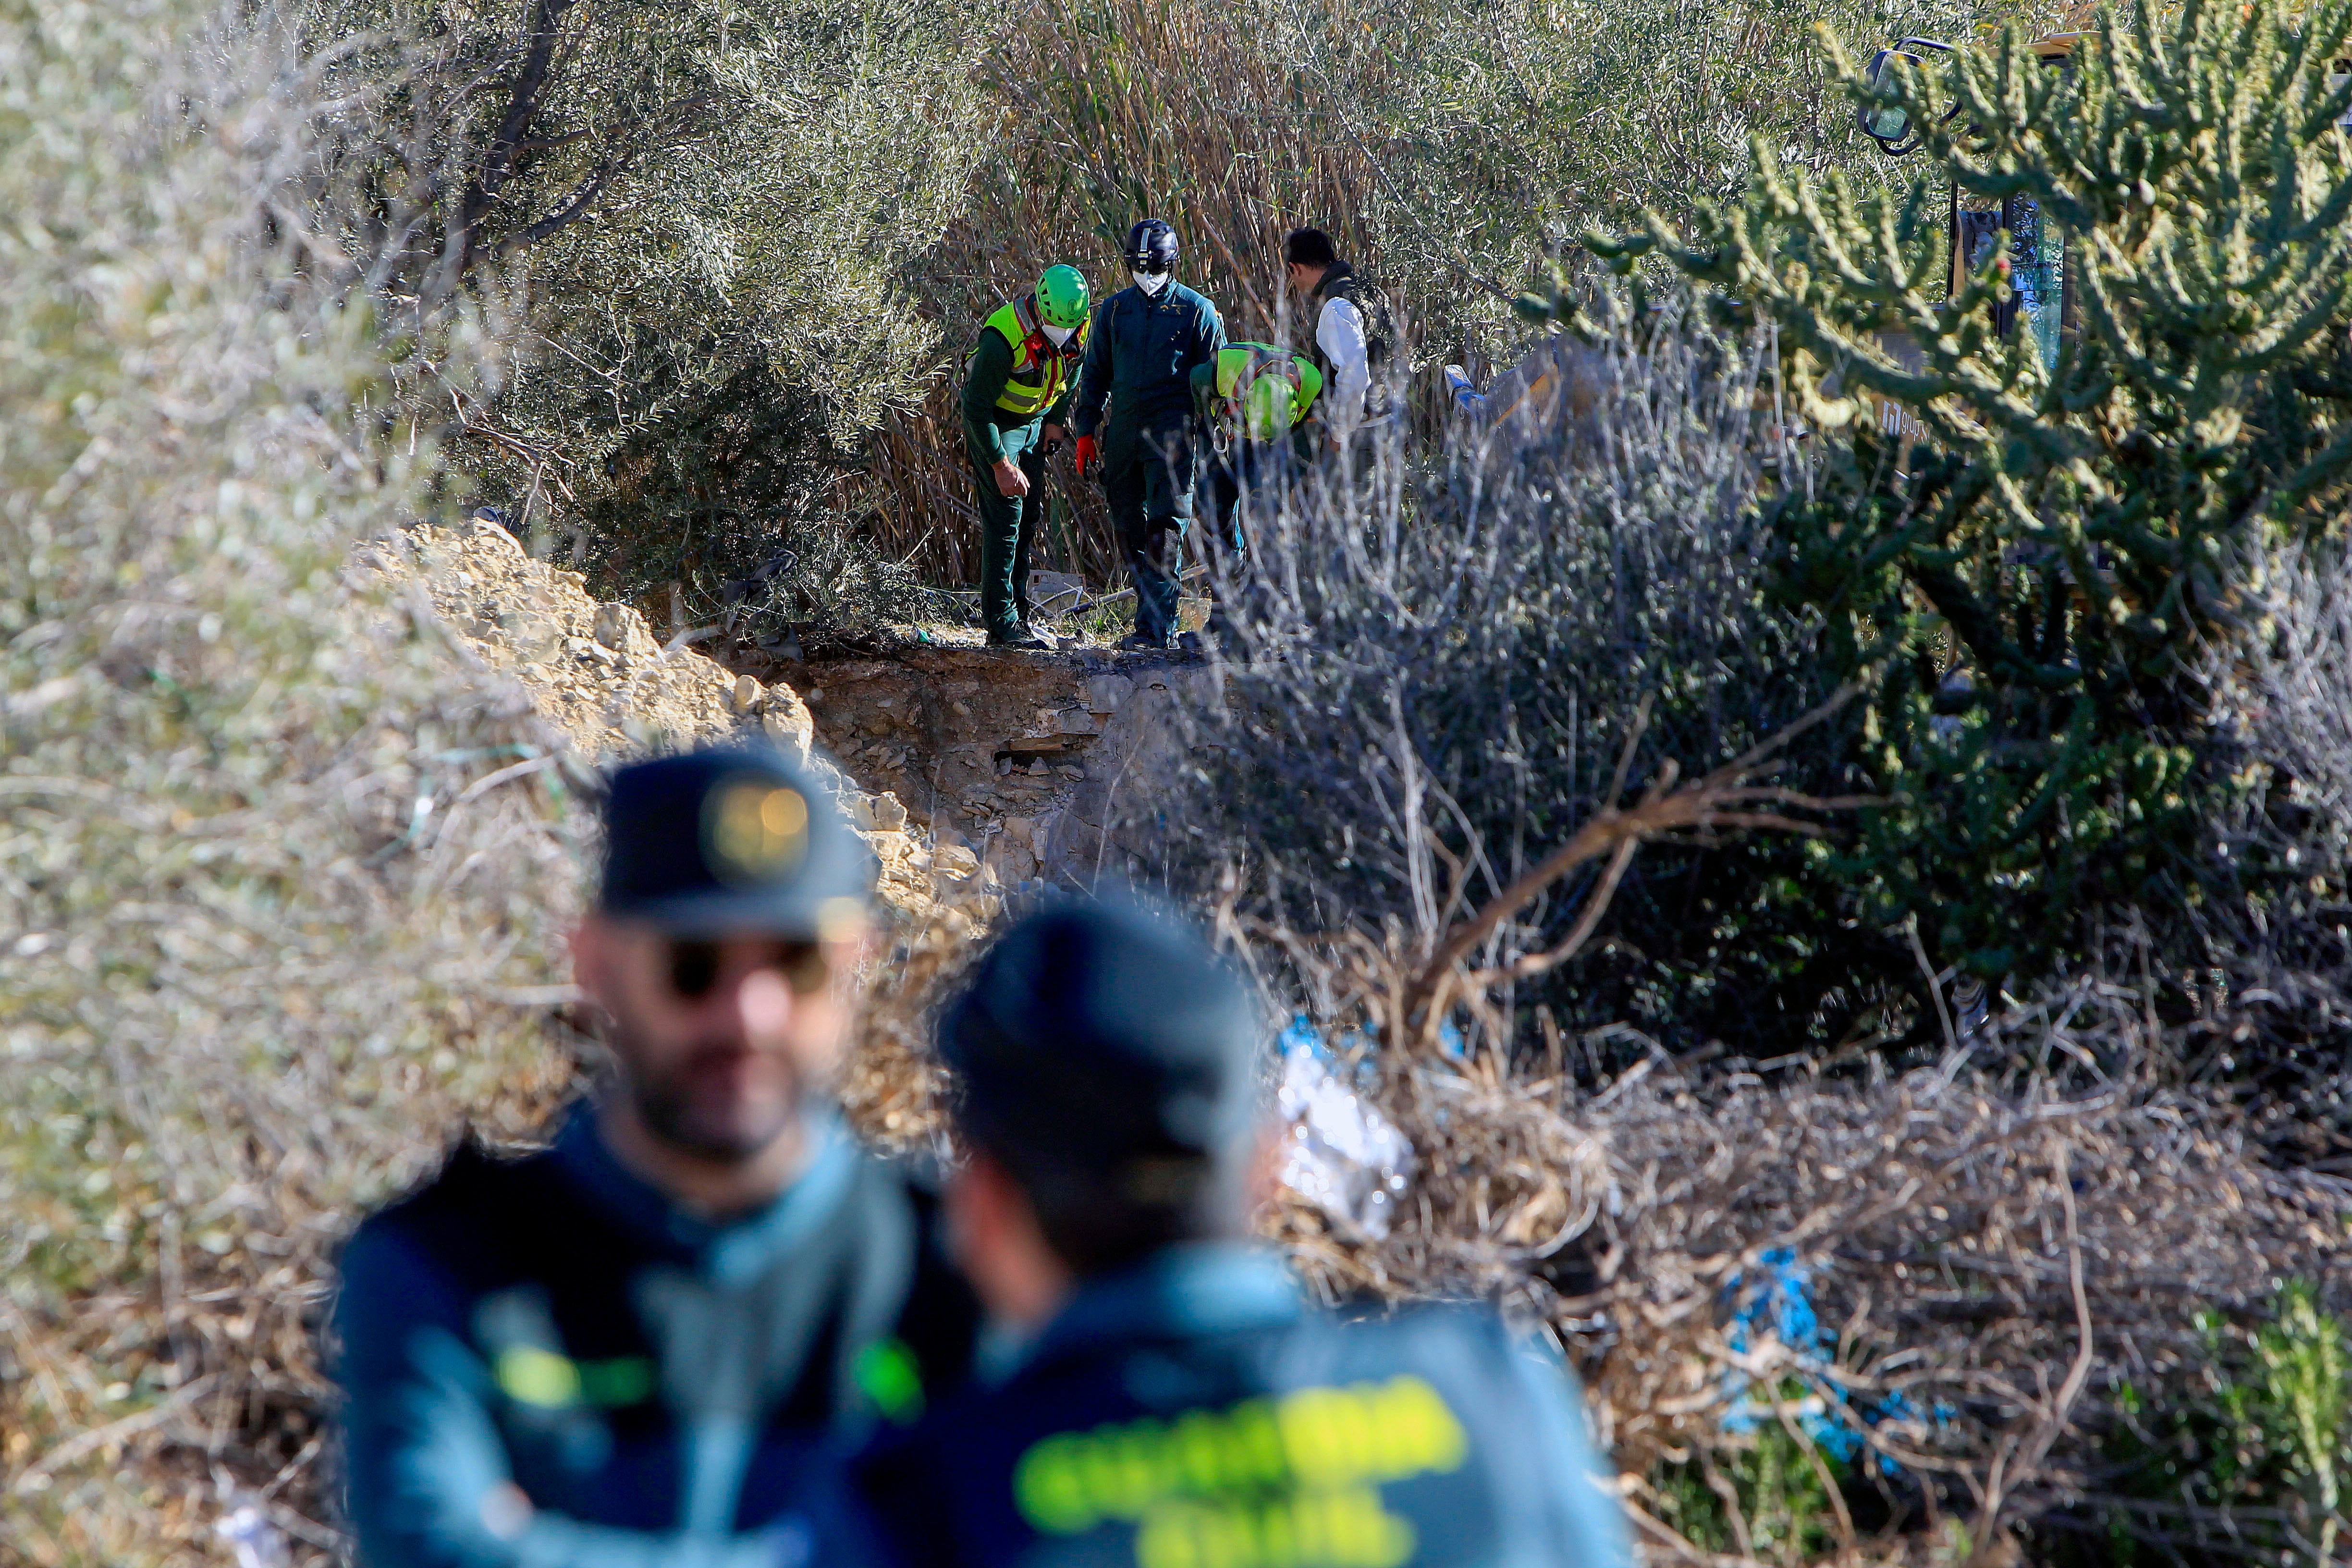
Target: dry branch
1721 799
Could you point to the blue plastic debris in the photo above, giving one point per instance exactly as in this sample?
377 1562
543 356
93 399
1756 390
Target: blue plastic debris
1777 1303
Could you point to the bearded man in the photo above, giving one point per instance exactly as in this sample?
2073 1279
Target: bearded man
640 1347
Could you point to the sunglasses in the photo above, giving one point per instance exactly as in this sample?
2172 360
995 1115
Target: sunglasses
695 967
1148 267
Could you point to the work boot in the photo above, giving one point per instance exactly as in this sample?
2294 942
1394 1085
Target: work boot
1025 639
1136 642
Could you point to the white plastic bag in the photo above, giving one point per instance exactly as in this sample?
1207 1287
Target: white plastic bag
1338 1152
256 1541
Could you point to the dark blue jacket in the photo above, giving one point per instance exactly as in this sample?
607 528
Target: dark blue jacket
1196 1406
1141 357
546 1364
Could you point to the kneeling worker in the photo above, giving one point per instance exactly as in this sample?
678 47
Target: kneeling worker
1257 401
1176 1401
1016 399
637 1348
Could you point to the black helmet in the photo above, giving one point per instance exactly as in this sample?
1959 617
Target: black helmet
1151 246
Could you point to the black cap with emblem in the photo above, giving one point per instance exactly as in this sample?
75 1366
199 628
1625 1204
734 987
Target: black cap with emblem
1108 1060
731 841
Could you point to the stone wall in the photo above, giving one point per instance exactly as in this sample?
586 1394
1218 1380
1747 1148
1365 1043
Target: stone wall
1022 760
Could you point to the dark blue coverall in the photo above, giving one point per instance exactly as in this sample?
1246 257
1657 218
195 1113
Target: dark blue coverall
548 1365
1196 1411
1140 361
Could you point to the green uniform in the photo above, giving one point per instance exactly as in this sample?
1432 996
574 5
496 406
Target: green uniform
1016 383
1256 397
1256 392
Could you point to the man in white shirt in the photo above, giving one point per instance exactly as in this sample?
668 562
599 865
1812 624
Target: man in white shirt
1351 331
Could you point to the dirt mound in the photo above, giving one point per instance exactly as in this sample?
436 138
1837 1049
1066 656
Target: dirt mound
609 691
595 672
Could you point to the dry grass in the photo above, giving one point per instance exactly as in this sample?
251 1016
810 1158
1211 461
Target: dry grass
2004 1253
895 1090
1190 112
2009 1255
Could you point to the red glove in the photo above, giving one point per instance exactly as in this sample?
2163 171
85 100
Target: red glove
1087 455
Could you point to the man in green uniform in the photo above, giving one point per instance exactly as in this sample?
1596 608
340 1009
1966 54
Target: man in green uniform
1016 397
1166 1393
641 1346
1147 341
1257 402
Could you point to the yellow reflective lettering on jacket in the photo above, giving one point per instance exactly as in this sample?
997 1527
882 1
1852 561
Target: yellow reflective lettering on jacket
1288 1480
1343 1529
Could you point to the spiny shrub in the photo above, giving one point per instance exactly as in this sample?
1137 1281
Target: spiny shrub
2026 587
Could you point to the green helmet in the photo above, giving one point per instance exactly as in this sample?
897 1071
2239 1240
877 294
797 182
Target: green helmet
1266 408
1062 297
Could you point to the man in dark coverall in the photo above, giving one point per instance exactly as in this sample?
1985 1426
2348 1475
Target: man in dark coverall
1172 1400
1146 341
638 1348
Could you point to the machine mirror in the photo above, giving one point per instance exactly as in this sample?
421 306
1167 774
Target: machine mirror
1884 122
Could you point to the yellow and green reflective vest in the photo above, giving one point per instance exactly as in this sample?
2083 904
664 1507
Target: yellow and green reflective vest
1040 370
1263 391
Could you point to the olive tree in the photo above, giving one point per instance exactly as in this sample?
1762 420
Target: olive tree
706 210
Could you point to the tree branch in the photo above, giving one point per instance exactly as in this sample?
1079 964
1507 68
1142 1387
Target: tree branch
569 213
1714 800
509 154
637 135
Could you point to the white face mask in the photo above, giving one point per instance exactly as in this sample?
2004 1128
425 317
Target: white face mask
1150 282
1057 336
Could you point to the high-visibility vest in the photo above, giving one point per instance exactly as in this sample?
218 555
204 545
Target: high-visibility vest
1040 370
1241 367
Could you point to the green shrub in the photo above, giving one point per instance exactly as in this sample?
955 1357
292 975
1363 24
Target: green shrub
2064 534
261 948
1763 1497
706 210
2251 1460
